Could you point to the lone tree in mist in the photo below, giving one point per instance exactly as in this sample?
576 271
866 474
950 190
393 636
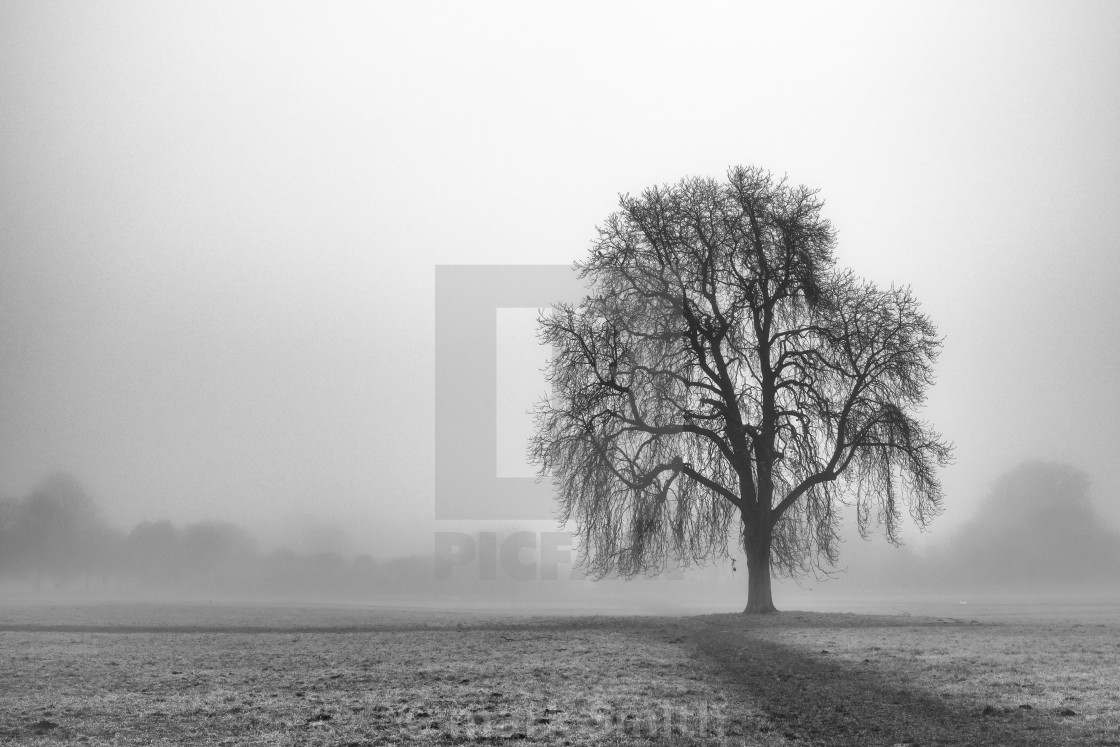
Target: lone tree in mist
724 375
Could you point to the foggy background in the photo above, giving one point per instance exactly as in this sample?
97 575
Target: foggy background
219 225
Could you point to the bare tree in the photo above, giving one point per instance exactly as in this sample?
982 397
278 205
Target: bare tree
723 375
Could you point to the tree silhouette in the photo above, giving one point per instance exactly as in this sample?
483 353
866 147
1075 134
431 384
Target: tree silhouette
1036 529
9 539
59 528
724 375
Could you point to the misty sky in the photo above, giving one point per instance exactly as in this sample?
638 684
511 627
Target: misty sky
219 222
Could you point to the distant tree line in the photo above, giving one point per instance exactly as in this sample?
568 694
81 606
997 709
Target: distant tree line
55 539
55 534
1036 531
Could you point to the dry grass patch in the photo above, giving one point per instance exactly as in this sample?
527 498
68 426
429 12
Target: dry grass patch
856 679
352 677
576 682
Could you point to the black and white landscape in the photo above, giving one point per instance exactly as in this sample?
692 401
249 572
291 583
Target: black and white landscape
623 373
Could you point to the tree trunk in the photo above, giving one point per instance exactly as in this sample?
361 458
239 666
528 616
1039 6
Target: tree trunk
759 598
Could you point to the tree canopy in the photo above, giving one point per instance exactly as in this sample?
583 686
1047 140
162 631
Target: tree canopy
723 374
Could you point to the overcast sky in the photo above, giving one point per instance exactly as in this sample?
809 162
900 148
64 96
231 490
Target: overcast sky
219 222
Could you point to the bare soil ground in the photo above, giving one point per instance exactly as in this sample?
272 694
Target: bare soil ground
285 676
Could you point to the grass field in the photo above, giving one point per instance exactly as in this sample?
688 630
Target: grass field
211 674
